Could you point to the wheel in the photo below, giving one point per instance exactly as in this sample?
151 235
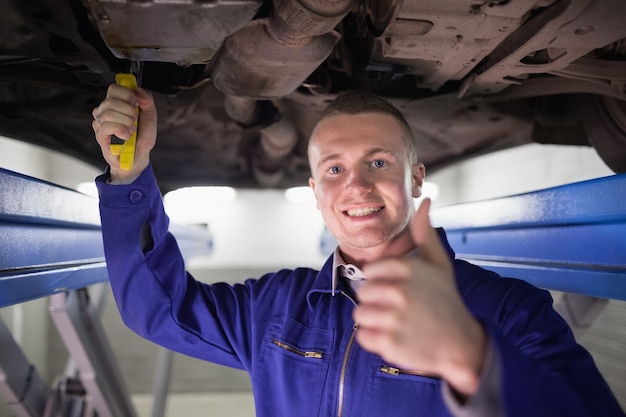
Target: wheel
604 119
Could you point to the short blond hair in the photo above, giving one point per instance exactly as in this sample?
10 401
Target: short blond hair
357 102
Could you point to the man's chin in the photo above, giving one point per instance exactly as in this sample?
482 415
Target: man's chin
364 240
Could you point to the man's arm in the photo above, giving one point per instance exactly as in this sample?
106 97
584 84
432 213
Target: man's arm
543 371
411 313
155 295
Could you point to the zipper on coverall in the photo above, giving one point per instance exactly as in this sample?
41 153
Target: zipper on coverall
344 364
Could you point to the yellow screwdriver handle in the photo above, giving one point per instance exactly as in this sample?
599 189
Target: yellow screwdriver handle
126 151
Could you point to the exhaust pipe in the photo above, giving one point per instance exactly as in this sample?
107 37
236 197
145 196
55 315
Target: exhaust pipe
270 58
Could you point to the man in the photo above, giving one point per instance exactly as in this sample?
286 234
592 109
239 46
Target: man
391 325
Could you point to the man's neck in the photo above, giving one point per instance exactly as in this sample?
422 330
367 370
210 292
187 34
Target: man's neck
361 256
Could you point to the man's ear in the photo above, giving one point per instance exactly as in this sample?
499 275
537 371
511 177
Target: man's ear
418 173
312 185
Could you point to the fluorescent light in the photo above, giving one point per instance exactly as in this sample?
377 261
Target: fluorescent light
190 204
88 188
201 195
300 195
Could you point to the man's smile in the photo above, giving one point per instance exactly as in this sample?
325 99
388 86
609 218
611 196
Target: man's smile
363 211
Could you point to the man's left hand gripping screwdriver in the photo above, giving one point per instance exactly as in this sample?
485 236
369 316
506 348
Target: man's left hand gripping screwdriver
126 150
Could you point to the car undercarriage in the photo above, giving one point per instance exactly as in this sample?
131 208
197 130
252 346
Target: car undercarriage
240 83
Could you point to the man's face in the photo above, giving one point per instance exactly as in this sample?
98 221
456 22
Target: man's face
363 182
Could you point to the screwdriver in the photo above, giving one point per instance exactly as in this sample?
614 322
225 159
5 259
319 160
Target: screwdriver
126 149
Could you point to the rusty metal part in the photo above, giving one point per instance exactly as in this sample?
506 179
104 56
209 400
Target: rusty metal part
242 110
250 113
276 144
568 28
270 58
188 32
439 41
294 22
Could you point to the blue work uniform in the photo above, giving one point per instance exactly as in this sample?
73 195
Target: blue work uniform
297 340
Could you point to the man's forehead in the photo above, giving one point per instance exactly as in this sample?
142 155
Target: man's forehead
347 126
363 133
350 151
370 118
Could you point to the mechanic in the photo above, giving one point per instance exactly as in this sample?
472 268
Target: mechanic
392 324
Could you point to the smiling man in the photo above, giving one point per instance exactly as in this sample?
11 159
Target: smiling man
364 186
392 324
365 174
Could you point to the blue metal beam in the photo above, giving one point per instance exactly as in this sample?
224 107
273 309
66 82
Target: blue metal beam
570 238
50 239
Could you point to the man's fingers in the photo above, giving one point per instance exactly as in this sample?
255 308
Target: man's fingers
420 224
376 316
112 108
390 269
112 122
122 93
145 100
123 113
425 237
147 118
382 292
116 115
372 340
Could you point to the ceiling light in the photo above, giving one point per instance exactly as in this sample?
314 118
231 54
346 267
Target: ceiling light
190 204
300 195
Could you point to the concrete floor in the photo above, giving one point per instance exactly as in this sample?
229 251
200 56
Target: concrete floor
231 404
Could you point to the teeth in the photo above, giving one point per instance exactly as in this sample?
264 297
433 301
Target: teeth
362 211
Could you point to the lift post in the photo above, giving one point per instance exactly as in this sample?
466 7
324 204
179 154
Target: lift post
77 320
20 384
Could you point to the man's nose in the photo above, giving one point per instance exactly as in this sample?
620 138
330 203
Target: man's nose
359 181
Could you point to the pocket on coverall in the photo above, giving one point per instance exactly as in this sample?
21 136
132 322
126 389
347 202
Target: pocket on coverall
292 369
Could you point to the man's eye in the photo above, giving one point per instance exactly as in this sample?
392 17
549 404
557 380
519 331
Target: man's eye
379 163
334 170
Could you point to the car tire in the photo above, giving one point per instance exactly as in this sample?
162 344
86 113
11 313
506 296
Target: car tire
604 119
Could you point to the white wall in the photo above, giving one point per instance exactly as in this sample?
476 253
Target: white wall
262 229
44 164
513 171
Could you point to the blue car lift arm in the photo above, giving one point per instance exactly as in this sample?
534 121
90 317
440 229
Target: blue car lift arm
570 238
51 246
50 239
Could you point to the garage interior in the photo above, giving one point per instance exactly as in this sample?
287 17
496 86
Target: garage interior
200 389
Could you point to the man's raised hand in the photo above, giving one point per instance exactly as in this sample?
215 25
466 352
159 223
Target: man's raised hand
116 116
410 313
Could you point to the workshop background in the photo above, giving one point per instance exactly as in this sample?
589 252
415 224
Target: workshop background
260 231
